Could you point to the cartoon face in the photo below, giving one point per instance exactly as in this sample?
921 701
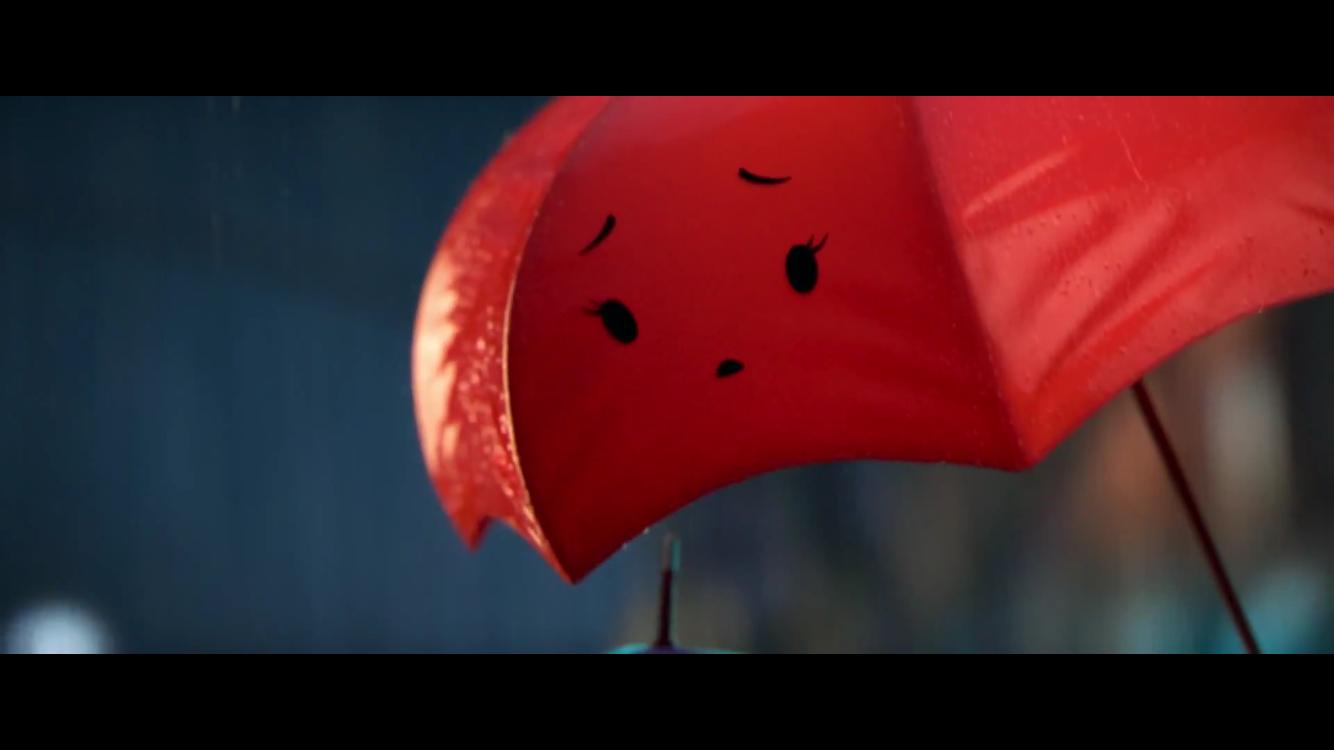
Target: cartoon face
719 288
642 300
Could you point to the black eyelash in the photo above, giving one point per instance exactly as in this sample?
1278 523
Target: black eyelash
814 248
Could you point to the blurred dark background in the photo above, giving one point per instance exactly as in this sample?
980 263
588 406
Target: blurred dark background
207 437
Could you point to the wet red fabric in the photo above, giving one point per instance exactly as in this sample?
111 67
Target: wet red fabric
645 299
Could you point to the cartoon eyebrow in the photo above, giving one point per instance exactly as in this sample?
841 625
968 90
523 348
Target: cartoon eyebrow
607 226
750 176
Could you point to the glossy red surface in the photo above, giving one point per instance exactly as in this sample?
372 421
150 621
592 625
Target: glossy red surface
995 270
458 350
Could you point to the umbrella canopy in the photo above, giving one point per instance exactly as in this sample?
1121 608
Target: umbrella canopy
644 299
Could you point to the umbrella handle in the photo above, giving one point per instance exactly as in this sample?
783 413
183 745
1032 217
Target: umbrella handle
1197 525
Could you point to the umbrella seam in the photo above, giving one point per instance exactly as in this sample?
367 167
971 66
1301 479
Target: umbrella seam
948 226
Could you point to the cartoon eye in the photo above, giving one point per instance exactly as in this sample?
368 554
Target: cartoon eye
617 319
802 270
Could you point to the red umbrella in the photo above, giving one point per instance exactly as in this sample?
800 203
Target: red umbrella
644 299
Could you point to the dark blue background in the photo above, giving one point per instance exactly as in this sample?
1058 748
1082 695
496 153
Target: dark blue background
208 437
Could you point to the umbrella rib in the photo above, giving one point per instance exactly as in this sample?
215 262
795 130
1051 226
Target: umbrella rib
1202 535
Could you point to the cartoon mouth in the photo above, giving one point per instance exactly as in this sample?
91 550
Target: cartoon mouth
729 367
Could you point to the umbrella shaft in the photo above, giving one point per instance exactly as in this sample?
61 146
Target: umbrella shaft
665 635
1187 496
671 562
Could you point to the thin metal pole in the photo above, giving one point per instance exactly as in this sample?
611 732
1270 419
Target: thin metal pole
1187 496
671 562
